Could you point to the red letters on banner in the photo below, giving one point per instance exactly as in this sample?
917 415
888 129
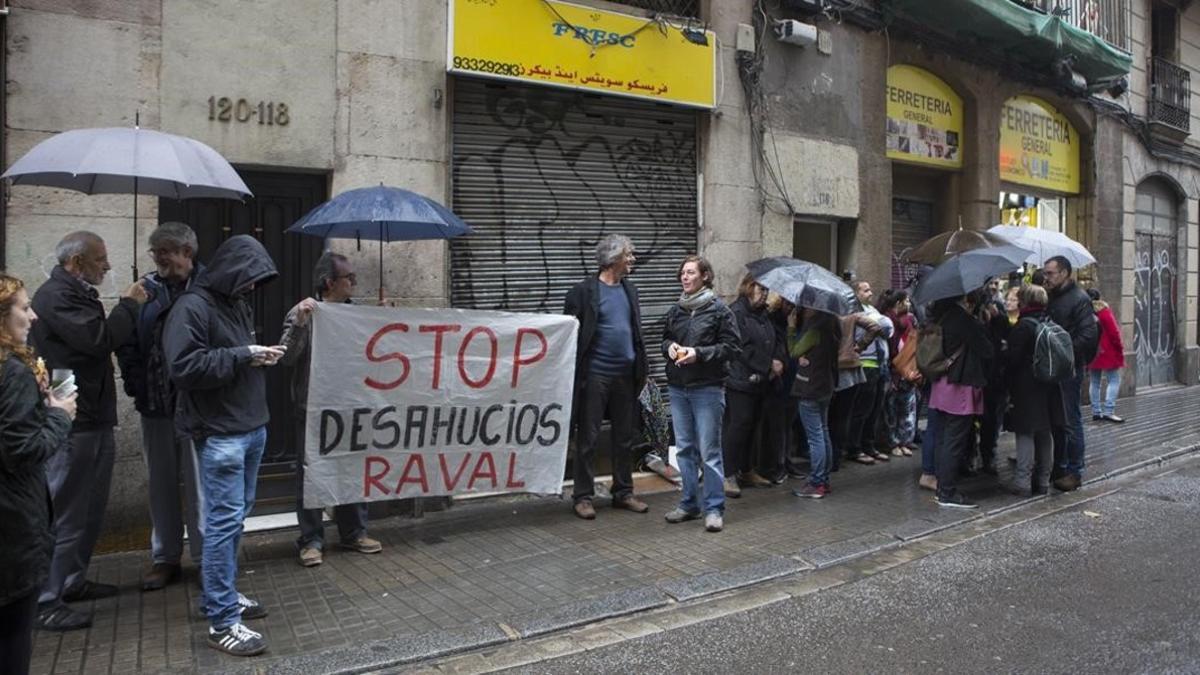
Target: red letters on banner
519 358
483 474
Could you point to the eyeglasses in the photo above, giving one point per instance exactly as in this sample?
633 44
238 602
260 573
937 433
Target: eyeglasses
159 252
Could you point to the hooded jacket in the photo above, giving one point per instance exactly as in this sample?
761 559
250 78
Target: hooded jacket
207 341
72 332
30 433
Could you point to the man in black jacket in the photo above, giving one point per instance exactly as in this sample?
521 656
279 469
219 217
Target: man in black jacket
610 370
74 334
222 407
1071 308
144 372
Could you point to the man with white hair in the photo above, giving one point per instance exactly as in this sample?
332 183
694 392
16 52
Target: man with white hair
610 370
173 247
73 333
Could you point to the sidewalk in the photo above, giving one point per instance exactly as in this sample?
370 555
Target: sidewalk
486 573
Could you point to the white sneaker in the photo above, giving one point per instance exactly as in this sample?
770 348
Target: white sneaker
236 640
713 522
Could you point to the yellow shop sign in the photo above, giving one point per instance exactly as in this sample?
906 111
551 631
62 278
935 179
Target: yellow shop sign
924 119
567 45
1038 146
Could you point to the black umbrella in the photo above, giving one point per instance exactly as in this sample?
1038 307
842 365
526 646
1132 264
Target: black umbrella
968 271
803 284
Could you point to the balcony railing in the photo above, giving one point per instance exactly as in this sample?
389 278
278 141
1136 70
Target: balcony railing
1170 94
1108 19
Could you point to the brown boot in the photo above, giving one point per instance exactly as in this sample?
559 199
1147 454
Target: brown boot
1068 483
585 510
159 576
630 503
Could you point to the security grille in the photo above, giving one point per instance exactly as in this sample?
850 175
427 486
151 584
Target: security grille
690 8
542 173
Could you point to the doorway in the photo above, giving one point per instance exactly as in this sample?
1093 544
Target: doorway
1155 270
279 200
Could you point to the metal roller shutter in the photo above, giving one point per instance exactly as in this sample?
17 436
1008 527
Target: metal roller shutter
541 174
912 224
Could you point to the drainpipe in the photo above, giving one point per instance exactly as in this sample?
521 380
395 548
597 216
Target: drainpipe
3 128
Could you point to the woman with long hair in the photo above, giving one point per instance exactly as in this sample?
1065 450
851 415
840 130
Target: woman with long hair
699 338
34 424
813 345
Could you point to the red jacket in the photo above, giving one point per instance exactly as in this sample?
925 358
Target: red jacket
1112 353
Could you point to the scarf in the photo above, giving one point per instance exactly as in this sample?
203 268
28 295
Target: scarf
698 300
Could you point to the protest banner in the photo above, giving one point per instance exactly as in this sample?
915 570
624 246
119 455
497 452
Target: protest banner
418 402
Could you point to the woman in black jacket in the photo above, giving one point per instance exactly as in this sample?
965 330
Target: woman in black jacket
33 426
699 339
751 375
1036 406
958 395
813 347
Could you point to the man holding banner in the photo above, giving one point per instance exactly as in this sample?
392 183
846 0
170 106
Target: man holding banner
334 280
610 369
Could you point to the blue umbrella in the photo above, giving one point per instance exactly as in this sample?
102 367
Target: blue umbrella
382 214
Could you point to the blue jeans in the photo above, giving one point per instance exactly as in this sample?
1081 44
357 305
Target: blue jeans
929 441
1107 405
1068 439
814 415
696 416
228 472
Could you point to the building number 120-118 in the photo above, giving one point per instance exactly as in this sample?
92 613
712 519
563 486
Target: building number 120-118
225 109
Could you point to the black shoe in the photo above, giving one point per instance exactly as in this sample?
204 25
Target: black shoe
955 500
237 640
1097 418
250 609
59 618
989 469
90 590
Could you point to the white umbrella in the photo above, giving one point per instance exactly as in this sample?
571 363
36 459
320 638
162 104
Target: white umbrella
1045 244
120 160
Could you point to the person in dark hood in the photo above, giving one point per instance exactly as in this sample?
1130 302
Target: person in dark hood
73 333
222 407
144 372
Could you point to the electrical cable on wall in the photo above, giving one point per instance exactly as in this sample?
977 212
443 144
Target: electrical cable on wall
768 176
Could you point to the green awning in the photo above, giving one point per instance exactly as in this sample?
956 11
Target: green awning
1031 38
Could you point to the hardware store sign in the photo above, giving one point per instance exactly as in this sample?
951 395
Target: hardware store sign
1038 146
924 119
561 44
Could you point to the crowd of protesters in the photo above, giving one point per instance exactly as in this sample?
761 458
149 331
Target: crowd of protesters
751 385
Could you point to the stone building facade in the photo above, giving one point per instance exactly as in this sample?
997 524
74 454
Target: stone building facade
309 98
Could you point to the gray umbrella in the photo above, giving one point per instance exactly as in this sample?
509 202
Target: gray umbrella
803 284
968 271
135 161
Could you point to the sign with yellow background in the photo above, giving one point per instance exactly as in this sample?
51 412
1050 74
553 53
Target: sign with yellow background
924 119
567 45
1038 146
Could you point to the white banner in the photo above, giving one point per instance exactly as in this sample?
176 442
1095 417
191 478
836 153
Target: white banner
419 402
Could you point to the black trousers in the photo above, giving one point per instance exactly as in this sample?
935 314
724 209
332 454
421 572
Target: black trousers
779 436
952 438
995 401
16 633
612 396
743 415
867 404
841 408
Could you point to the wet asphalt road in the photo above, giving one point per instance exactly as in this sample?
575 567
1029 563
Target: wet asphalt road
1111 586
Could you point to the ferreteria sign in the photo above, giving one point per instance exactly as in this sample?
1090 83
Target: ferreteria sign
566 45
924 119
1038 146
414 402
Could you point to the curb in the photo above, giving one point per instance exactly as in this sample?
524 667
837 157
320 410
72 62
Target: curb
825 559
